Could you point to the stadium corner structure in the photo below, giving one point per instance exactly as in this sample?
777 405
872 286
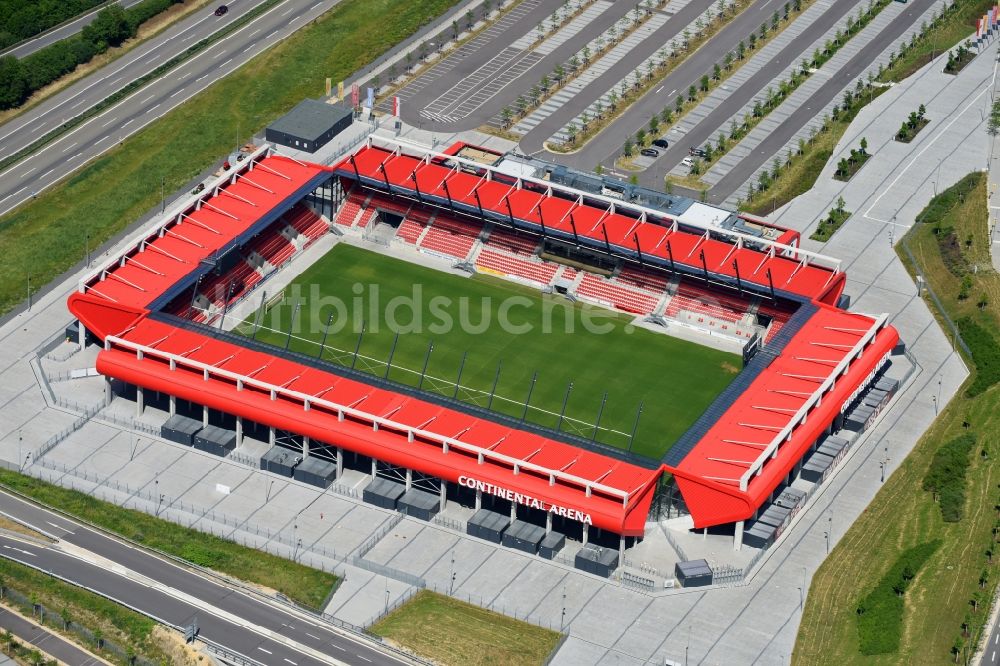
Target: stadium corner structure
729 465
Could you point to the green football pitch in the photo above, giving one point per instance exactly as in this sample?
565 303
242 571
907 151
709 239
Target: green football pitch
476 332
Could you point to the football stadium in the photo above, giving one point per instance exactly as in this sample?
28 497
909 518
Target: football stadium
562 354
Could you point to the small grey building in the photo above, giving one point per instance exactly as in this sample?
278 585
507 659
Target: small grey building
310 125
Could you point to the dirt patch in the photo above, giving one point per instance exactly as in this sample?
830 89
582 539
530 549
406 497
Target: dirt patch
11 526
179 653
730 368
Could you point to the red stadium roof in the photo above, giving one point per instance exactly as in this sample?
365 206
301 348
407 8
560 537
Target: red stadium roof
427 174
727 475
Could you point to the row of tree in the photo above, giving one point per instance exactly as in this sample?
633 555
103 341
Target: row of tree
113 25
23 19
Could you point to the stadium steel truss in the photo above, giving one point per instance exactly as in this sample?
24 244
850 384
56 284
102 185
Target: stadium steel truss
789 398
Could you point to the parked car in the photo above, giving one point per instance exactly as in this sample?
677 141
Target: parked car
221 10
650 152
661 143
697 152
687 161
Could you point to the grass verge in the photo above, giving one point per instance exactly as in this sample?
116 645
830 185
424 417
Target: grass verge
496 322
305 585
114 622
947 605
46 236
459 634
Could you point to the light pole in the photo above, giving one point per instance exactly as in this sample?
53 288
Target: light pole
934 400
562 621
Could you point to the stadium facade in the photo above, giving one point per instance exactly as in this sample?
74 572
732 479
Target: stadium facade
797 386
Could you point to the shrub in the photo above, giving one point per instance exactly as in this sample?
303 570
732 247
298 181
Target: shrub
946 476
880 612
985 355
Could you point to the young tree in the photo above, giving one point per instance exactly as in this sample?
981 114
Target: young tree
864 146
703 84
666 115
679 104
721 141
741 50
733 129
454 29
692 93
469 20
728 60
505 116
716 72
629 148
640 137
654 125
775 20
993 124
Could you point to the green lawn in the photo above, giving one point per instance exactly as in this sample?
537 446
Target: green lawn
45 237
951 589
454 633
675 379
303 584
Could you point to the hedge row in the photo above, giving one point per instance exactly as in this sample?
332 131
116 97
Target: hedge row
880 612
113 25
23 19
946 476
985 355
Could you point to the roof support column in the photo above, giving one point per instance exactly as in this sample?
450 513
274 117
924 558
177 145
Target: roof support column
172 409
479 500
305 447
548 522
270 436
409 478
621 550
738 537
374 468
513 512
340 462
139 401
107 391
443 495
204 416
586 533
239 432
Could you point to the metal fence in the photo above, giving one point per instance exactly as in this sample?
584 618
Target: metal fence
47 617
450 523
389 608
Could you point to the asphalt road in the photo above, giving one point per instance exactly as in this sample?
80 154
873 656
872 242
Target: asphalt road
60 32
52 644
798 118
607 144
88 140
707 128
241 622
467 60
990 654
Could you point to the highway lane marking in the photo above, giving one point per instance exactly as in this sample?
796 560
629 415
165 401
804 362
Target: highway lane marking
254 32
20 550
78 104
200 78
148 98
291 662
29 170
55 525
126 100
226 63
152 108
70 146
288 10
294 20
658 90
365 658
177 93
310 635
263 650
75 156
46 173
248 48
127 122
338 647
103 138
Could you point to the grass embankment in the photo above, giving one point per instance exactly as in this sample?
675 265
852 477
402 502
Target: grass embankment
303 584
495 320
946 604
459 634
45 237
953 26
115 623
